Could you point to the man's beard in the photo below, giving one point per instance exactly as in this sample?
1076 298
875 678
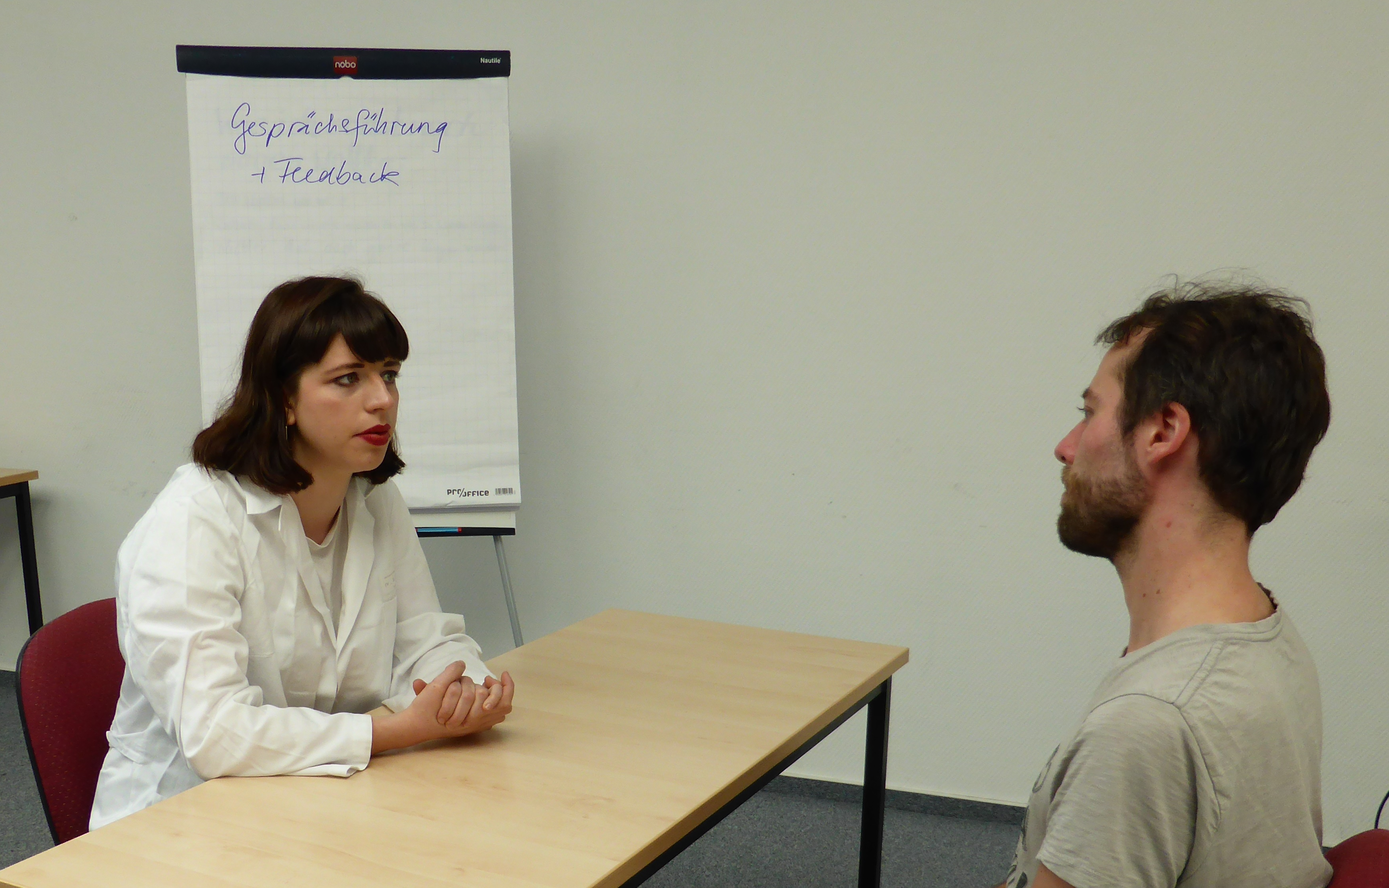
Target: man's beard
1098 517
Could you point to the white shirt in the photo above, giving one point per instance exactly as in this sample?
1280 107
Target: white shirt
328 558
235 664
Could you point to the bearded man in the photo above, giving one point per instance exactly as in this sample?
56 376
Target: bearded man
1198 762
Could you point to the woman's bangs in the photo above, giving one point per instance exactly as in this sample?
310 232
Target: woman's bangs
373 333
370 329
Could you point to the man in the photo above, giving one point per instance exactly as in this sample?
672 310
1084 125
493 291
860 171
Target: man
1198 762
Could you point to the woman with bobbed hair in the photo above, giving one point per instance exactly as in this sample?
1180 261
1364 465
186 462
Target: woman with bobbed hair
274 606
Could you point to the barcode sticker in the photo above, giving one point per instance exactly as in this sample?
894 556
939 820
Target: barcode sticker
505 491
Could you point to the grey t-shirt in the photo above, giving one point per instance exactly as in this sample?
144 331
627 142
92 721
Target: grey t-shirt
1197 764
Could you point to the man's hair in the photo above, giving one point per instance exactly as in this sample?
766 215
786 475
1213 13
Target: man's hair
292 329
1242 361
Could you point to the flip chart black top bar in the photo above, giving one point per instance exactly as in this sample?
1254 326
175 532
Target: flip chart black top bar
327 63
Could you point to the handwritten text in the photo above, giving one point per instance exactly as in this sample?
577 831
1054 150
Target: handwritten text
247 128
291 171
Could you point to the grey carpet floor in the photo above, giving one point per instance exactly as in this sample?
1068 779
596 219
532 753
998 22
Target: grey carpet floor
783 836
789 840
23 831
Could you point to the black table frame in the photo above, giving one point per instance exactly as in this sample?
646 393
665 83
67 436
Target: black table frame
870 859
27 556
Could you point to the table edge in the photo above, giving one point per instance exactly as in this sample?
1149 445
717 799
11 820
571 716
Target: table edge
635 864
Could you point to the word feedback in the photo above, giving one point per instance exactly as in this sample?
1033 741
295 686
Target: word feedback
292 172
247 128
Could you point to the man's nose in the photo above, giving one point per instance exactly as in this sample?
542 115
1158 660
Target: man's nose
1065 451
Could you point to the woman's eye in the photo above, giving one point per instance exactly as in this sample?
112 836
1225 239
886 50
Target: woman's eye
390 376
346 379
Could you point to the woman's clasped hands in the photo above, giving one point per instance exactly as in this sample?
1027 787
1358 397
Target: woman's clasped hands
452 705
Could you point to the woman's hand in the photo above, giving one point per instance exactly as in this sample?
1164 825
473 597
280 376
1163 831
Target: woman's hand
452 705
471 708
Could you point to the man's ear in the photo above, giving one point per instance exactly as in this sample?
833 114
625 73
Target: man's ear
1164 434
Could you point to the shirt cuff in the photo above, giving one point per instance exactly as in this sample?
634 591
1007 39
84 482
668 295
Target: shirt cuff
356 745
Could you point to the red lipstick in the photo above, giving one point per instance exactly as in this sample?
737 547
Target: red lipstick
376 436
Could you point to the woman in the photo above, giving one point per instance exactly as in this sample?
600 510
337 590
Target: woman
274 606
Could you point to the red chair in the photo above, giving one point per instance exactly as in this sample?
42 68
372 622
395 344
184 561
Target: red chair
1361 861
69 678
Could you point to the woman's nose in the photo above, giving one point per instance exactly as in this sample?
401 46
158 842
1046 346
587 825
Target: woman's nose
379 394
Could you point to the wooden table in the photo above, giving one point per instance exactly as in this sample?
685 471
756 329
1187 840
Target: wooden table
15 483
632 735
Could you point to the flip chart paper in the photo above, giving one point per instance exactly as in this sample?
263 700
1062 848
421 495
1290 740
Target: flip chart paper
405 184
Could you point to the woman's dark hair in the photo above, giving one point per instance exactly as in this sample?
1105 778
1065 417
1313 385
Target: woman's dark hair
292 329
1242 361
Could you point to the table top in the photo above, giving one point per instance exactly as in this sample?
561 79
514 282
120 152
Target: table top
629 730
16 476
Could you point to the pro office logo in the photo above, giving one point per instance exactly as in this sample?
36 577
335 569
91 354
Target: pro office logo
344 64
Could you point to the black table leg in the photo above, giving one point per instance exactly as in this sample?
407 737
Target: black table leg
27 557
876 701
870 854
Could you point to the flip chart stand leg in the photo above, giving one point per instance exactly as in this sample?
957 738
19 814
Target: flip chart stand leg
496 533
870 855
506 590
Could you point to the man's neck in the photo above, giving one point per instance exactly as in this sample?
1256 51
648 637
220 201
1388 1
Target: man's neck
1184 569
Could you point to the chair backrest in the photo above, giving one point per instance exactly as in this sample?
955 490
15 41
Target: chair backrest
1361 861
69 678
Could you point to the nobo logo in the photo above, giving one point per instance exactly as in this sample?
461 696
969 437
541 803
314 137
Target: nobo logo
345 64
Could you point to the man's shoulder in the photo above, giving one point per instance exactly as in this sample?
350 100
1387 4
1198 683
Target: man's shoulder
1168 670
1135 724
1228 658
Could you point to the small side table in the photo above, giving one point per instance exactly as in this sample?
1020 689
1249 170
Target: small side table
15 483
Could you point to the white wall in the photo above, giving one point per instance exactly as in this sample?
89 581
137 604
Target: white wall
805 296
